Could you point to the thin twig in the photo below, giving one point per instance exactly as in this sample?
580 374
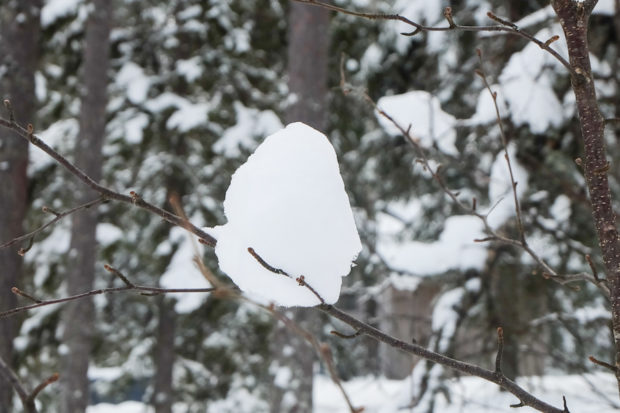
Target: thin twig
51 379
500 123
102 190
27 399
59 216
265 265
504 26
119 275
346 336
301 280
322 350
138 288
471 209
21 293
603 364
523 395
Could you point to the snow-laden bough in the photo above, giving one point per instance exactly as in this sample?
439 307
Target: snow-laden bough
288 203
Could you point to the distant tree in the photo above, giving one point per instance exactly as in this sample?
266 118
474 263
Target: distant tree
19 40
77 337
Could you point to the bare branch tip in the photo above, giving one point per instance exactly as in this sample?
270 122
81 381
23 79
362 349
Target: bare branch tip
21 293
551 40
447 13
120 275
346 336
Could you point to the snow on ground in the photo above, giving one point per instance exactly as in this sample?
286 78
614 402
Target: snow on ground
584 394
289 204
470 395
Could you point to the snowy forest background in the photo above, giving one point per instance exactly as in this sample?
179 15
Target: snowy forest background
193 86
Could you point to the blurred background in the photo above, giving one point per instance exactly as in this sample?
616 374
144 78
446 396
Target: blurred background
169 97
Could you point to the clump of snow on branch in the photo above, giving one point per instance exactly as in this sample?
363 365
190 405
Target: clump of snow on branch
289 204
422 111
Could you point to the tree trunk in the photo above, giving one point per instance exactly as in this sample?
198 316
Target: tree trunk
574 16
308 50
307 78
19 50
78 316
164 357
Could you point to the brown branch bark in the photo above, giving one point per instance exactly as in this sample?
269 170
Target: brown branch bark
574 18
26 398
504 26
526 398
107 193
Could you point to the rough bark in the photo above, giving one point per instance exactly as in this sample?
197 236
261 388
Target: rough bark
307 79
164 357
574 17
78 316
19 51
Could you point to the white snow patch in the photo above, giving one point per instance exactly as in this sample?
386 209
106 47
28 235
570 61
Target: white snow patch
428 12
455 249
468 394
56 9
124 407
283 377
289 204
445 316
526 87
250 124
188 116
104 373
108 234
132 78
423 112
191 69
500 187
134 128
182 272
605 7
60 132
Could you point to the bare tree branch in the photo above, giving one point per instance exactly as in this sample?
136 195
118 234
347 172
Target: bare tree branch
59 216
523 395
504 26
26 398
107 193
128 287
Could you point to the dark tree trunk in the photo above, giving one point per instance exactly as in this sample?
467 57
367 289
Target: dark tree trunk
78 316
574 16
19 57
307 65
164 357
307 78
